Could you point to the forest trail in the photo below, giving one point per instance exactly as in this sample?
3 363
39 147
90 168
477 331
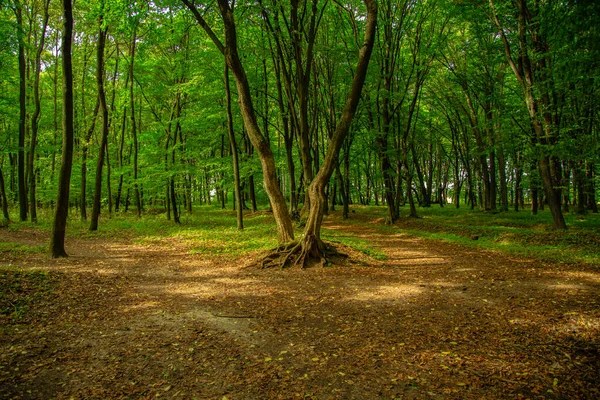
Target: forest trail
120 319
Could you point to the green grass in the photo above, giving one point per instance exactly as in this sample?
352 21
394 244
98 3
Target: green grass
212 231
21 249
358 244
518 233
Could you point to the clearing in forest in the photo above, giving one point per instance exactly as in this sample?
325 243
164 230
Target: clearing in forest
123 318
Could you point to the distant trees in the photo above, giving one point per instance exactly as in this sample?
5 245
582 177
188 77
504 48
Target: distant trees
492 106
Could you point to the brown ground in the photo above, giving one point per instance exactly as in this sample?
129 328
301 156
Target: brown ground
120 320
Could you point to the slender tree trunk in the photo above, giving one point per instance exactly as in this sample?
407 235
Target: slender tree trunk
121 148
136 189
36 117
57 243
591 188
22 113
234 154
3 198
55 101
108 187
84 154
285 231
104 134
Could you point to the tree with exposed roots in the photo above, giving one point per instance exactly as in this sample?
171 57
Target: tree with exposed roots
310 248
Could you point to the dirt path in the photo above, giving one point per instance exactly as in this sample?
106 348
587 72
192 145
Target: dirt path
122 320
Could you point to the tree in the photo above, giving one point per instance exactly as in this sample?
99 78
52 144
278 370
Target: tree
311 246
533 72
101 44
57 243
285 231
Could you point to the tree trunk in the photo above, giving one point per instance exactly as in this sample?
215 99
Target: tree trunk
311 241
285 231
36 117
136 189
22 113
121 148
234 154
84 154
3 198
57 243
104 133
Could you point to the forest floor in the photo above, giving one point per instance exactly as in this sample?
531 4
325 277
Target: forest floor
119 319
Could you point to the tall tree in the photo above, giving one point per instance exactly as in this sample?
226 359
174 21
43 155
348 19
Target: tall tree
102 32
22 111
285 231
311 246
533 68
57 243
36 115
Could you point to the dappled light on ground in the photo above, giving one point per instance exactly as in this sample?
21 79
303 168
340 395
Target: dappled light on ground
429 320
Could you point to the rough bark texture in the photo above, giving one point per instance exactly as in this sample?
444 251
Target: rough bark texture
57 243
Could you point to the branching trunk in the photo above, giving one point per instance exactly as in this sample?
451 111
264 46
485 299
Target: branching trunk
311 247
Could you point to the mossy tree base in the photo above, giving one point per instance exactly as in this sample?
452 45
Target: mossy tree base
304 253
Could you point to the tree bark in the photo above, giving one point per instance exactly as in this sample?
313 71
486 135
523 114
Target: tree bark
22 113
234 154
36 117
84 154
3 198
57 243
311 241
285 230
104 133
136 189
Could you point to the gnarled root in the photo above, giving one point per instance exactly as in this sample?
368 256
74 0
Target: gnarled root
303 253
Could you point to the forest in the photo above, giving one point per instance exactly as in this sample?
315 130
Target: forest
169 171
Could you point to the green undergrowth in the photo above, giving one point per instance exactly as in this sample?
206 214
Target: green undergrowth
358 244
517 233
21 249
207 231
212 231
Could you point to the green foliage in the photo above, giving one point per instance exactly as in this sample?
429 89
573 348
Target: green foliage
517 233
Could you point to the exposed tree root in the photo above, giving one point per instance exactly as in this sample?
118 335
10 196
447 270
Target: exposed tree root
303 253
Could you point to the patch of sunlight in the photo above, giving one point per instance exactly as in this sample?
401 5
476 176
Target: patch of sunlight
215 289
564 286
104 271
465 269
591 276
578 323
141 306
387 293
